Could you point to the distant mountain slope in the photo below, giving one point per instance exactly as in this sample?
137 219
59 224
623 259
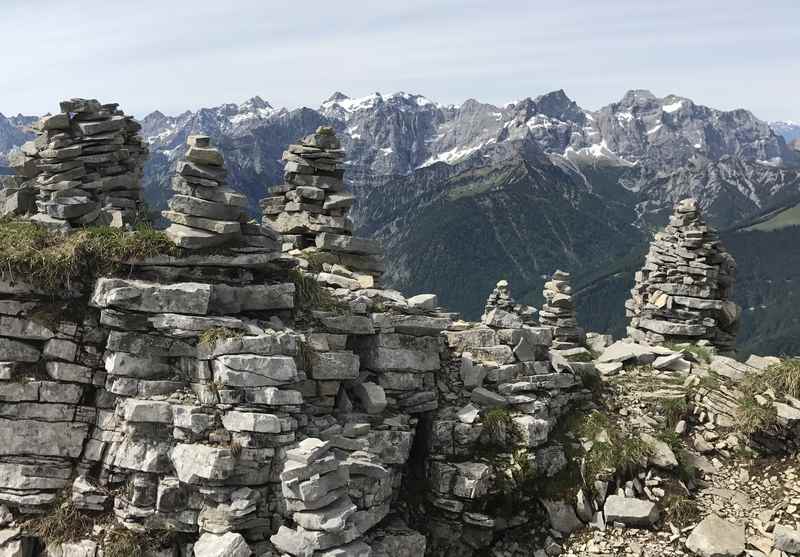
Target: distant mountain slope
789 130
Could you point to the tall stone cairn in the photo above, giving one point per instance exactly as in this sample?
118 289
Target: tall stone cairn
558 312
682 294
85 166
204 211
311 209
500 306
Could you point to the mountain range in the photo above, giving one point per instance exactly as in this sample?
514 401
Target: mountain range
463 196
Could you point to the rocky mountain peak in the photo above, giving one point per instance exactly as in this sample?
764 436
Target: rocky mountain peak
335 97
637 96
557 104
255 103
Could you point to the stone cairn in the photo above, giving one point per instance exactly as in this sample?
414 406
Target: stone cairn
500 304
558 312
204 211
314 484
682 294
310 209
84 167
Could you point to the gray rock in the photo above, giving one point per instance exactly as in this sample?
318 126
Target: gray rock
226 545
626 351
562 516
786 539
199 463
423 301
472 373
339 366
371 396
195 238
583 506
629 511
488 399
716 537
186 297
197 207
216 226
348 244
661 454
17 351
252 422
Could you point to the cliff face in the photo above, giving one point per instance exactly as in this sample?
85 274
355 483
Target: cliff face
237 403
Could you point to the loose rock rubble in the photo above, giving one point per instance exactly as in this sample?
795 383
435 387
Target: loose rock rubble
683 292
84 168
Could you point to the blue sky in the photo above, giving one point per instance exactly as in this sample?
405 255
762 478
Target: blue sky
174 55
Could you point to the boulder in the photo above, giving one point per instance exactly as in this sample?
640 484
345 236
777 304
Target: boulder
562 516
630 511
226 545
786 539
716 537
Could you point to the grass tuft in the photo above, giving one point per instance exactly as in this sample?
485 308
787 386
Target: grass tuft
621 453
121 542
701 353
210 337
67 523
783 378
681 510
52 261
309 294
752 417
500 428
674 410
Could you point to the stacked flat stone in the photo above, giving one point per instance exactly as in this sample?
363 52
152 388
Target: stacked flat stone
204 212
558 312
682 294
310 209
500 303
314 485
85 164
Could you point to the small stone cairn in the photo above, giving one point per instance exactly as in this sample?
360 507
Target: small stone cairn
85 167
501 307
204 211
558 312
314 484
682 294
310 209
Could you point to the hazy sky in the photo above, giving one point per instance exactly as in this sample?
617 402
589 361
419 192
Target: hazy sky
174 55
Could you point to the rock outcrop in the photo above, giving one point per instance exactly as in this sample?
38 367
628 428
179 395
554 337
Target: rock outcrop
84 168
683 292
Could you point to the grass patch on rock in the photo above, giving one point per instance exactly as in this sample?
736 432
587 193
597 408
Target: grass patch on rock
681 510
310 294
65 524
783 378
612 450
701 353
210 337
51 261
753 417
